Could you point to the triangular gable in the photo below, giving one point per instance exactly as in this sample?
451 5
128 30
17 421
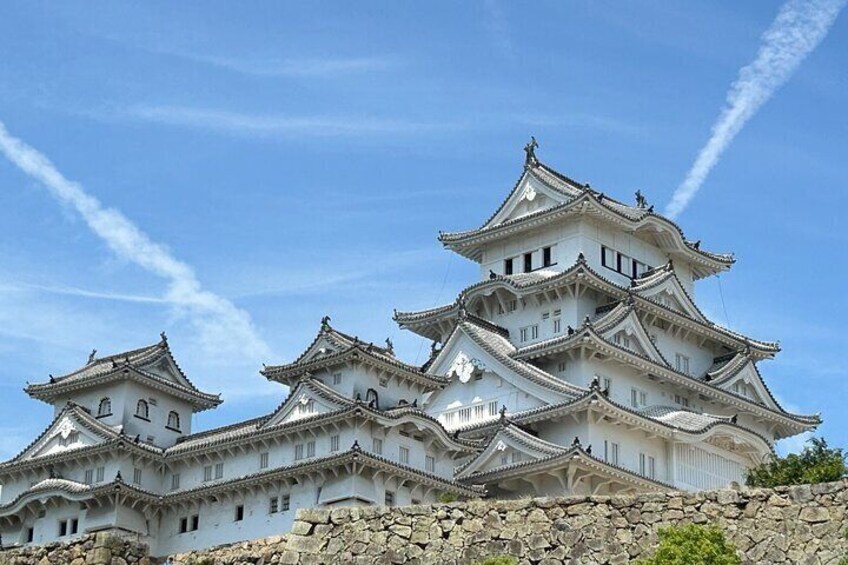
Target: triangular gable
462 359
529 195
749 383
670 293
307 399
323 346
68 432
509 445
165 367
629 333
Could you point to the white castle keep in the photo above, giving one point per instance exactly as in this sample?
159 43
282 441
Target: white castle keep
578 364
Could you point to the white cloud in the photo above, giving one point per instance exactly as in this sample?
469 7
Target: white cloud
799 27
222 328
273 125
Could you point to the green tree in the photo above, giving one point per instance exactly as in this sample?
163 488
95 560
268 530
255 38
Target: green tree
448 497
817 463
693 544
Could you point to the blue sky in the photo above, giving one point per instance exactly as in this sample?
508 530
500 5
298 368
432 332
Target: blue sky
300 158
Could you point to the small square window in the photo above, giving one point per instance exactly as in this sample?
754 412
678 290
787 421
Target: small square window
337 378
175 481
74 526
263 460
546 257
239 513
219 470
310 449
136 476
195 522
403 454
273 505
285 503
63 528
334 443
377 446
508 268
183 525
101 472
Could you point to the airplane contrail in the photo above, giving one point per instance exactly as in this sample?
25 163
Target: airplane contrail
799 27
221 325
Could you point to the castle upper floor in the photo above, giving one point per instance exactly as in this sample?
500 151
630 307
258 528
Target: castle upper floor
548 219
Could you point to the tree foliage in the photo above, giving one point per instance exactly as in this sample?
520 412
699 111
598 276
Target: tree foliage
817 463
690 544
447 497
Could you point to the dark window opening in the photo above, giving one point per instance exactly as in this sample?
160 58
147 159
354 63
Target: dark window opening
63 528
173 421
239 513
104 408
546 257
183 525
30 535
74 526
142 410
508 267
195 522
528 262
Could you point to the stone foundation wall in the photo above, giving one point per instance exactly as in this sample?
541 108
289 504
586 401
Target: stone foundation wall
804 524
95 549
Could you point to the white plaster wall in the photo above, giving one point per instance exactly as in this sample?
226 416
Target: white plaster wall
357 379
573 236
90 398
158 415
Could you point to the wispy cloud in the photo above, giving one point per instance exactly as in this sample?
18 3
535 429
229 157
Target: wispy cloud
221 326
275 125
496 24
798 28
83 293
576 121
298 68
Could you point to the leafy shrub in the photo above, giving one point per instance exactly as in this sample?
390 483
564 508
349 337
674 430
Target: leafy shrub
500 560
692 543
817 463
448 497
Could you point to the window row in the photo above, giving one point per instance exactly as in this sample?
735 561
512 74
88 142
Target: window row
622 264
68 527
647 463
471 413
142 410
530 261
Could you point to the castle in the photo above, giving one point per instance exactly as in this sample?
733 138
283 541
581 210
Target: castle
579 363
